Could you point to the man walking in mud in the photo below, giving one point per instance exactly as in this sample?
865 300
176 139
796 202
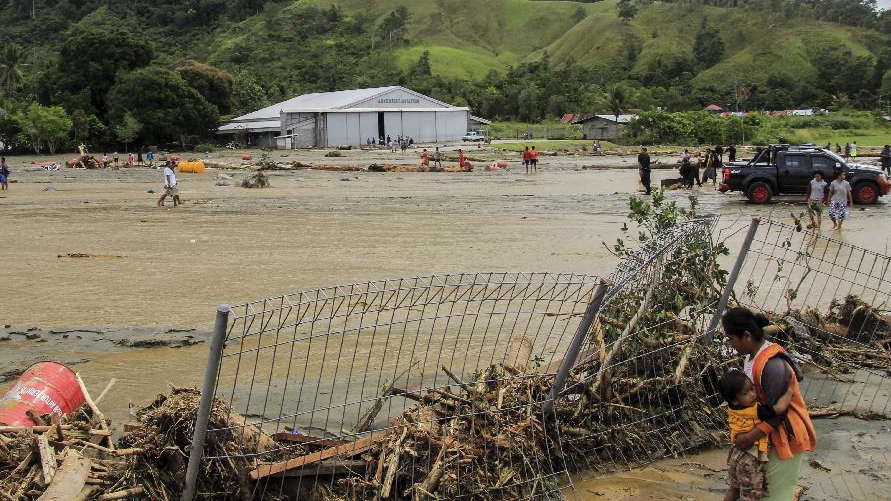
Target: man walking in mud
643 163
169 186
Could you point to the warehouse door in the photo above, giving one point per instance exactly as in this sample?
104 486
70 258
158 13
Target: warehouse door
381 130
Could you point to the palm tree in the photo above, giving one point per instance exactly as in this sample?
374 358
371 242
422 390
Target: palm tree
839 101
616 101
11 77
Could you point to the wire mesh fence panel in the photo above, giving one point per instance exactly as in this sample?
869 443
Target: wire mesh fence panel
637 394
830 303
395 388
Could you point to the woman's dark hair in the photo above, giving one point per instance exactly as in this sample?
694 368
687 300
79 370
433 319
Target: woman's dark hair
737 321
731 384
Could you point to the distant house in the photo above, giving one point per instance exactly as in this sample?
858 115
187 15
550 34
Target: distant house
604 126
570 118
714 108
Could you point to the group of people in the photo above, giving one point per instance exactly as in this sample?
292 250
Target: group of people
395 144
850 150
530 159
838 195
707 165
463 163
114 161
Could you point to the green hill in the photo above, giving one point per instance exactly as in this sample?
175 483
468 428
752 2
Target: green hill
513 59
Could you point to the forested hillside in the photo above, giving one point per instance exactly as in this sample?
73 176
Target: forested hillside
170 70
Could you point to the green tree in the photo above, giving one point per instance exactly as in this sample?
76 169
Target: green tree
627 10
617 101
10 131
45 124
11 76
168 108
394 25
92 59
128 130
80 125
579 15
422 67
708 48
213 83
247 94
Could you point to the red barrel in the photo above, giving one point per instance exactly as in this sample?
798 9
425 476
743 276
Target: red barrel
44 388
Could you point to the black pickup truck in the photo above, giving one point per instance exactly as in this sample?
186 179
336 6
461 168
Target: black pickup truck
782 169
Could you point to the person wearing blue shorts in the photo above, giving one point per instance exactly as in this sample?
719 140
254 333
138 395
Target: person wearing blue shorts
840 198
4 174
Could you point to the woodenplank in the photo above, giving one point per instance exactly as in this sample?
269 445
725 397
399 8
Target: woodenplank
70 478
294 438
47 458
347 450
327 468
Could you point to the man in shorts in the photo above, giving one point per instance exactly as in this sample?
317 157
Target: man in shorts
4 174
840 198
533 160
170 187
816 198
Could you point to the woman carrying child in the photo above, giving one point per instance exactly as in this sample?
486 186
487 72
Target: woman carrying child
773 373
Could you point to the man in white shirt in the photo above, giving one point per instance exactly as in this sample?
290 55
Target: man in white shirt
816 198
840 198
169 186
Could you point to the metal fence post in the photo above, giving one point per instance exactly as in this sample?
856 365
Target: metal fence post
731 279
575 346
207 392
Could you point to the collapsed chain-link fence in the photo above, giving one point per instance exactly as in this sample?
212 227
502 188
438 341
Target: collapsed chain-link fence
497 385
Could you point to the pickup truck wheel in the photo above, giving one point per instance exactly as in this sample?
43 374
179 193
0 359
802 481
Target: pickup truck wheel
866 193
759 193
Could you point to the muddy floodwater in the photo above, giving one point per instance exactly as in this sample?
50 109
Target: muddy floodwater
95 275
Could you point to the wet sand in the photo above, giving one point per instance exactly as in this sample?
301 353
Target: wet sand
155 270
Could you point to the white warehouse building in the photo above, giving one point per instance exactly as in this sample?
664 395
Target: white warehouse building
351 117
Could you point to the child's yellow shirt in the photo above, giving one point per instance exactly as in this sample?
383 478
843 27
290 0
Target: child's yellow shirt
744 420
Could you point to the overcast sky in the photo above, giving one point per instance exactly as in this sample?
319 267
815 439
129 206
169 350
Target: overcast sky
884 4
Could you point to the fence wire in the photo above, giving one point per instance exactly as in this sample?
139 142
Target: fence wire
438 387
831 306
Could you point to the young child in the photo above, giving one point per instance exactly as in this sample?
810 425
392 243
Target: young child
746 474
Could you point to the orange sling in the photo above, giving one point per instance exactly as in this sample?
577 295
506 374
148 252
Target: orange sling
804 437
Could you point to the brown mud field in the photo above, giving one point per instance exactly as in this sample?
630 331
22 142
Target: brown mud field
95 275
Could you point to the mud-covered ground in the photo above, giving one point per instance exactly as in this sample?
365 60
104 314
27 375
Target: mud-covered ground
97 276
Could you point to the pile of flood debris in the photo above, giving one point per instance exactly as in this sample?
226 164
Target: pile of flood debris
851 334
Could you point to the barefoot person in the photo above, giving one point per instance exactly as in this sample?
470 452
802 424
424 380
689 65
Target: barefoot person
169 185
840 198
425 159
746 470
816 198
773 373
